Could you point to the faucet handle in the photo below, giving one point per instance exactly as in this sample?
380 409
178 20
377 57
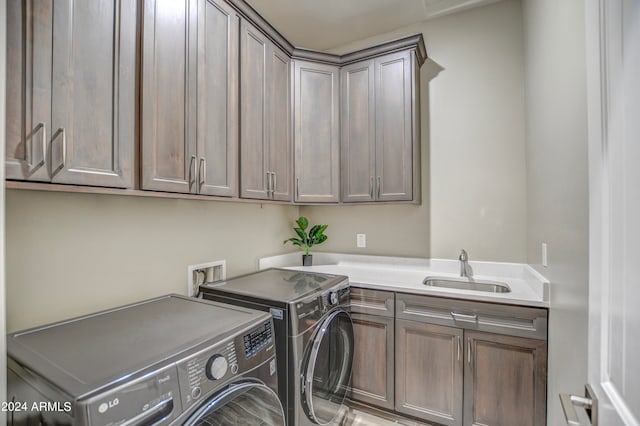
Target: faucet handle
463 256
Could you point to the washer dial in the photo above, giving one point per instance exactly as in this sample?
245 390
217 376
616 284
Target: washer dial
217 367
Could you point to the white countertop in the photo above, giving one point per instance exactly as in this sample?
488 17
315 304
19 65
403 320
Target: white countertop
402 274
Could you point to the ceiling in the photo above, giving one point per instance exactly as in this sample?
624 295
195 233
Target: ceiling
325 24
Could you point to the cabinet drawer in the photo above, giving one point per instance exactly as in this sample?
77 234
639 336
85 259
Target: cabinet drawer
373 302
490 317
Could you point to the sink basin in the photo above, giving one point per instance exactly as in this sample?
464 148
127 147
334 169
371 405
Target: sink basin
467 284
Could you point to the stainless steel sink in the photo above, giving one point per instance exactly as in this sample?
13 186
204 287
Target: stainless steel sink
467 284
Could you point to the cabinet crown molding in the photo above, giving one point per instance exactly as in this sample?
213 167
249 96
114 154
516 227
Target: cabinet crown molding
415 41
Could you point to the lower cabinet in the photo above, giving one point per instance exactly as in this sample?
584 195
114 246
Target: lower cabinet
505 380
373 361
452 362
429 367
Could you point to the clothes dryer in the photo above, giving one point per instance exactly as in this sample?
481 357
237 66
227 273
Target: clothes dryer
313 331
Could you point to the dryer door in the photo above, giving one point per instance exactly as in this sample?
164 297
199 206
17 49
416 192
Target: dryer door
247 403
327 367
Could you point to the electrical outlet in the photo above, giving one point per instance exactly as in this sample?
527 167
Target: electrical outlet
204 273
545 262
361 240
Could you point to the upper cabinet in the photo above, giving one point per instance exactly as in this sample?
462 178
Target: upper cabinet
71 92
168 141
316 132
358 140
205 97
217 99
190 97
380 144
265 116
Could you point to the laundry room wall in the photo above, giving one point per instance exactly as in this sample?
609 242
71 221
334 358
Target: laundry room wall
72 254
473 147
557 183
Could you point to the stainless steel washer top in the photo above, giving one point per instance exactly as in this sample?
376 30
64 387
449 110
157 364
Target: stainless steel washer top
85 354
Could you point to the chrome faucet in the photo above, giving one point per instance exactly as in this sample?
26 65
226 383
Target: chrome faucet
463 258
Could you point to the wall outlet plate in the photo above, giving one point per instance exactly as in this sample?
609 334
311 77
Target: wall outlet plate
204 273
361 240
545 262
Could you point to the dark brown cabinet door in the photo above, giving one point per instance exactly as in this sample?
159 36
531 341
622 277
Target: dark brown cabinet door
279 114
505 380
380 129
71 92
358 154
265 105
316 132
394 132
254 138
373 360
372 380
93 106
28 96
217 94
429 367
169 46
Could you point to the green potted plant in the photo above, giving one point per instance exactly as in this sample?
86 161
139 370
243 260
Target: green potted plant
306 240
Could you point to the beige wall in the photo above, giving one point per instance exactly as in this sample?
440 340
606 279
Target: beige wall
70 254
557 182
473 147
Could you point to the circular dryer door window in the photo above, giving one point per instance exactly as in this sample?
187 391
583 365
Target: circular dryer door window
327 367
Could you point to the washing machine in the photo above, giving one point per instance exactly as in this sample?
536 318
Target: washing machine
171 360
313 332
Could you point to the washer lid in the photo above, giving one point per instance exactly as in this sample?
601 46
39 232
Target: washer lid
89 353
278 285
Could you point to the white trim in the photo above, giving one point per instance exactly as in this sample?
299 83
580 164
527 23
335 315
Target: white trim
3 351
619 404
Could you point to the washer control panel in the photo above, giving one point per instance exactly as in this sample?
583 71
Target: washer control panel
213 367
257 339
205 370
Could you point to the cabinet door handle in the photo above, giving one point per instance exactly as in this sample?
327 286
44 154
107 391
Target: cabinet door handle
192 172
63 133
202 171
469 350
379 187
297 188
268 182
273 183
371 187
43 140
462 317
459 347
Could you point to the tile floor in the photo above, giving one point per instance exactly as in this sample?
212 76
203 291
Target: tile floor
357 415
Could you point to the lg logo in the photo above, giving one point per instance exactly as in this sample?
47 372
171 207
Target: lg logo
106 405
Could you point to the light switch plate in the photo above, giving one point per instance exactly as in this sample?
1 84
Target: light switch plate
361 240
544 255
